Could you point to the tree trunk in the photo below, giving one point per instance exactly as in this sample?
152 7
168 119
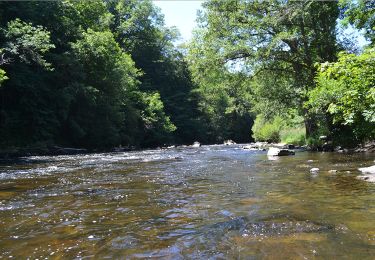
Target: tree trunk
310 125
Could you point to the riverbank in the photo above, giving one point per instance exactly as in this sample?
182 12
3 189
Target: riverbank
14 153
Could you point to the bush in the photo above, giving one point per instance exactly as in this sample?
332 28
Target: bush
294 136
288 128
267 131
345 92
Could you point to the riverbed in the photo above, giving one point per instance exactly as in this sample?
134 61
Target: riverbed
211 202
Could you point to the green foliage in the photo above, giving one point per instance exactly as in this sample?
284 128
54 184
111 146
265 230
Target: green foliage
139 29
293 131
267 130
295 135
158 126
346 91
361 14
224 97
27 43
3 77
93 74
98 74
285 128
25 116
109 80
273 45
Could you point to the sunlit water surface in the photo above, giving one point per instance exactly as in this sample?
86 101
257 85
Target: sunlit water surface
208 203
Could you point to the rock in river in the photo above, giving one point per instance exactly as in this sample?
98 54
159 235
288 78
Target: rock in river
314 170
196 144
370 169
229 142
273 151
369 174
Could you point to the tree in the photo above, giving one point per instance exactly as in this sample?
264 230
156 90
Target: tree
87 94
346 91
27 43
140 30
109 78
3 77
23 120
361 14
273 42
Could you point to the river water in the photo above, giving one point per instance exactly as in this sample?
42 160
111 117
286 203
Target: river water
212 202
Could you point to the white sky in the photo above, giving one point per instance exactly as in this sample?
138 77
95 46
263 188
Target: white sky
180 13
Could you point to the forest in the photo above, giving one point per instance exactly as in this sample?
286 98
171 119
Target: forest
108 73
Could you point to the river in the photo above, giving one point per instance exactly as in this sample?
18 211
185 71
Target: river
212 202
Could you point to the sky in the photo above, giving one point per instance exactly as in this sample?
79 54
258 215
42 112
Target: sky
180 13
183 13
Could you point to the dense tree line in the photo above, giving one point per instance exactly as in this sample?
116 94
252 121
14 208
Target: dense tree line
262 59
95 74
106 73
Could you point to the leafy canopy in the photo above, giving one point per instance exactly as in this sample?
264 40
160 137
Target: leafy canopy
346 91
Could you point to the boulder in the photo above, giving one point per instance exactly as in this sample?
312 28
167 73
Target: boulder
290 146
229 142
196 144
327 147
370 169
368 174
273 151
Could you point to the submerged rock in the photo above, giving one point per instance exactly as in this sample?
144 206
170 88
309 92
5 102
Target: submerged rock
123 149
253 148
273 151
367 177
68 151
273 227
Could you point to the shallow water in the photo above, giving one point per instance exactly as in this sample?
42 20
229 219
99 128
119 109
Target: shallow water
212 202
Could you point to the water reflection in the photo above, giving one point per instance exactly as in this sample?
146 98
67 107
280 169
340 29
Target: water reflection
208 202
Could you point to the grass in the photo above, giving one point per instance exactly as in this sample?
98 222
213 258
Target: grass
294 136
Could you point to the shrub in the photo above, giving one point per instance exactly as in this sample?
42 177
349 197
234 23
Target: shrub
294 136
345 91
288 128
267 131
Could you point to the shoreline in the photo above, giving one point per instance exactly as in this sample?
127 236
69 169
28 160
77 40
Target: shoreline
17 153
